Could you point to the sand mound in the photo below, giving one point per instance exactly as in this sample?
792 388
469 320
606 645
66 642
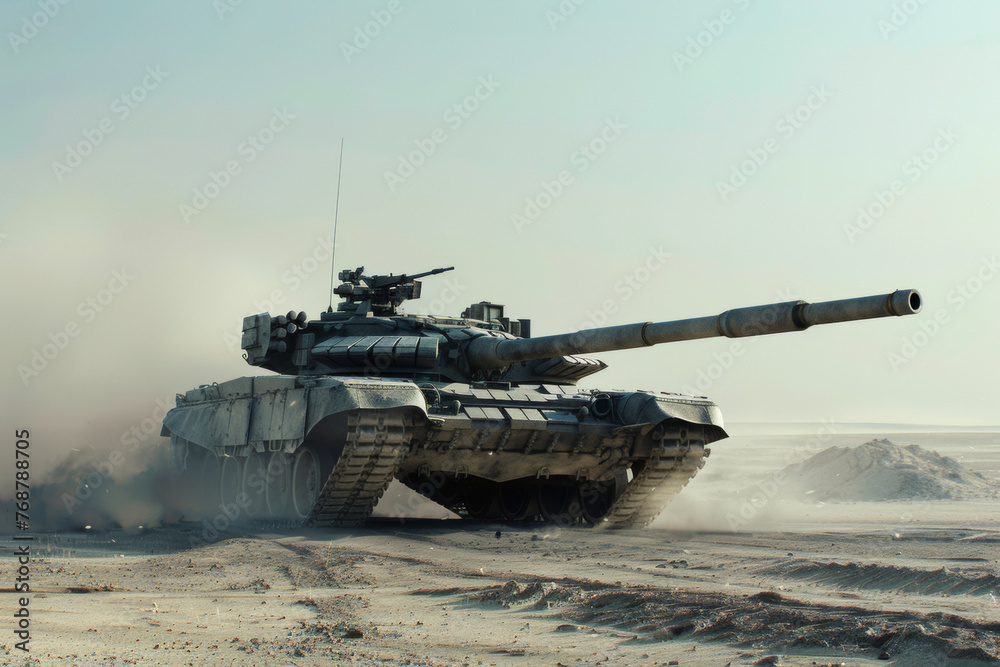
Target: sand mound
882 470
894 578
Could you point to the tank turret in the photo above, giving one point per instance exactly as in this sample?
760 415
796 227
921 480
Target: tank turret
469 411
367 335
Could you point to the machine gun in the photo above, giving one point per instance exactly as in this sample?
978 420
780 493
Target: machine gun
379 295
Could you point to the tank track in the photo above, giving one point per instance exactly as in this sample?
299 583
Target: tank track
674 462
376 443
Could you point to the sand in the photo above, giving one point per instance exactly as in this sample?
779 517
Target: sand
901 582
882 470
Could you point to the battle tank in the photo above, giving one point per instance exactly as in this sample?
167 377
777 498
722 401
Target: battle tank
471 412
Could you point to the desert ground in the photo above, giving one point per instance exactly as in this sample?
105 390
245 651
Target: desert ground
745 567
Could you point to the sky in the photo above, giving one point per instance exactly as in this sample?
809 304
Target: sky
169 168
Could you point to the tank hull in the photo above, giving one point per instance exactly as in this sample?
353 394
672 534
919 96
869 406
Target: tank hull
322 450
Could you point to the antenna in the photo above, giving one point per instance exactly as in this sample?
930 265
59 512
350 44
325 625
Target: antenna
336 212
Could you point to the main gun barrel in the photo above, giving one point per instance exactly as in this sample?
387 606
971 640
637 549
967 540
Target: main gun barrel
487 352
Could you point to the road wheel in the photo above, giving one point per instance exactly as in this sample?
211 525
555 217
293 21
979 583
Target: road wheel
231 483
278 486
558 503
481 498
596 498
210 483
517 500
254 484
306 482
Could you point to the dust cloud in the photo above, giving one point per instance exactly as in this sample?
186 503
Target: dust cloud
103 489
